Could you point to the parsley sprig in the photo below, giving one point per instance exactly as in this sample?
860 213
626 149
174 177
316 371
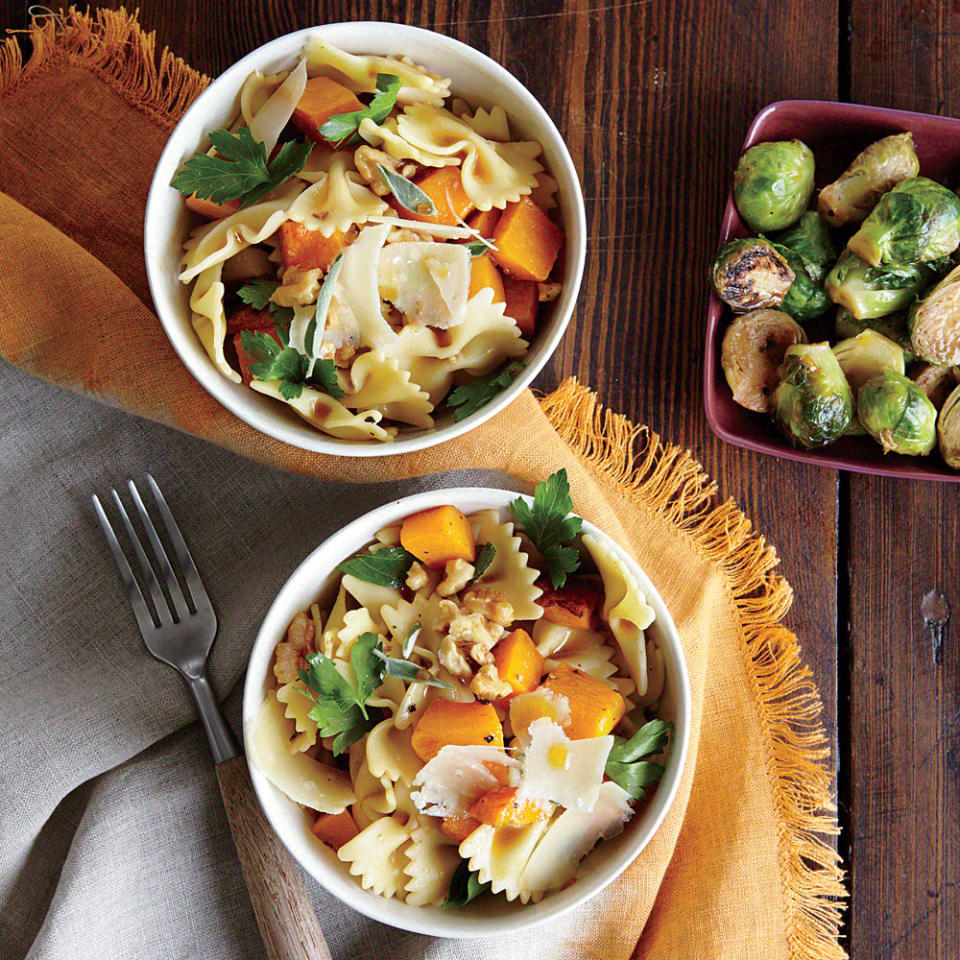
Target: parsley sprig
342 127
388 567
465 886
548 524
257 293
280 361
626 765
470 397
240 169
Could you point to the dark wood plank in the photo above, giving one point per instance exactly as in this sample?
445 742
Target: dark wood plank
905 708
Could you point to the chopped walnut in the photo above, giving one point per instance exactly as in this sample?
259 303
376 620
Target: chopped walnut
291 654
417 577
487 685
456 575
298 287
403 235
365 159
452 659
547 292
491 603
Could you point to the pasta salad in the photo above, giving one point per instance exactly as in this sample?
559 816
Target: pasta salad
476 708
368 248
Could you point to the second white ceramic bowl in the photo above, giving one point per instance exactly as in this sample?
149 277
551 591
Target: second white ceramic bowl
314 579
475 77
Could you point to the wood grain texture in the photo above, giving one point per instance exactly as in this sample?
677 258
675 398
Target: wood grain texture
285 916
904 747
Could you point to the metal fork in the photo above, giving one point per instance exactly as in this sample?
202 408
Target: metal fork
178 628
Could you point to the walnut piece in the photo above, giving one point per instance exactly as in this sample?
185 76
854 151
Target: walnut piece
492 604
291 654
298 287
456 575
487 685
417 577
452 659
365 159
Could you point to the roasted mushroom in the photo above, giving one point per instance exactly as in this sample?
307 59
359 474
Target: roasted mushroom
750 275
772 184
753 349
897 414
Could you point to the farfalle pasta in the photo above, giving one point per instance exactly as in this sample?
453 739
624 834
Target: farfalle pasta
462 716
368 249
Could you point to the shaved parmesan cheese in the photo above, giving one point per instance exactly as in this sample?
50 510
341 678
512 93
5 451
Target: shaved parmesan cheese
427 282
561 770
272 117
572 836
437 229
526 708
355 316
457 776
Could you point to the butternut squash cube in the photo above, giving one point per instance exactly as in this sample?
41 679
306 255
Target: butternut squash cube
527 240
446 722
458 829
308 249
523 304
437 535
322 99
484 273
335 829
501 808
484 222
573 605
211 210
595 708
518 662
444 187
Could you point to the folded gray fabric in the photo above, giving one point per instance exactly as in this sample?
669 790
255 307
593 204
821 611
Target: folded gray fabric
113 841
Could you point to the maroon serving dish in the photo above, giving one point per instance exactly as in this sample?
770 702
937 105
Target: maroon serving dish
836 132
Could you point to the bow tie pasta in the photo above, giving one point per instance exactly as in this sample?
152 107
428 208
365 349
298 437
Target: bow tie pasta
367 249
458 718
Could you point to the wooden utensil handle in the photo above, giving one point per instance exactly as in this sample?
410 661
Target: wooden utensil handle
285 916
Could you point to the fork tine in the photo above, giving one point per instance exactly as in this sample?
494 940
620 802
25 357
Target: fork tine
170 578
187 566
159 601
140 609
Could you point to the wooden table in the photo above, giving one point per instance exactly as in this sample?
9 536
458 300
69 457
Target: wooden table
654 97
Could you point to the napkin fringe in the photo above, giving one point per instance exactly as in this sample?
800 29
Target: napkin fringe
669 480
113 45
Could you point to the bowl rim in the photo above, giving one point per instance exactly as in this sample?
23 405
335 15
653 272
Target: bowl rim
904 468
194 357
317 566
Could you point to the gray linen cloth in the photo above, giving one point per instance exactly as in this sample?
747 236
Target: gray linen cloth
113 840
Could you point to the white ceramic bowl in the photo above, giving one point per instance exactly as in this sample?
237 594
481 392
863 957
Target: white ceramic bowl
475 77
315 578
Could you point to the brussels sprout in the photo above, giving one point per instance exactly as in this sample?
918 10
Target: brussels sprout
772 184
917 221
948 430
750 274
884 164
753 348
806 298
893 327
869 292
935 381
812 405
897 414
865 355
810 237
934 322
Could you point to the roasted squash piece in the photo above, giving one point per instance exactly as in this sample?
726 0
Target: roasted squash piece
246 318
446 722
484 273
445 188
322 99
437 535
211 210
518 662
523 303
335 829
501 808
484 222
527 241
308 249
458 829
595 708
573 605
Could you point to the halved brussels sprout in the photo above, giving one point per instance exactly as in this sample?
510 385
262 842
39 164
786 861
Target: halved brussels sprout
810 237
934 322
812 405
753 349
884 164
916 222
869 292
935 381
897 414
893 326
948 430
865 355
750 274
772 184
806 298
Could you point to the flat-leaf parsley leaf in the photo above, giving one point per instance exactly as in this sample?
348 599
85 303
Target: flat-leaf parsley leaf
344 126
387 567
470 397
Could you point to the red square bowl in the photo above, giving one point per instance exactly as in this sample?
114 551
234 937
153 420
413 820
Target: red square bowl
836 132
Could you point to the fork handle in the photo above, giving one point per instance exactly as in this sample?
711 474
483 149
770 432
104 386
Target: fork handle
223 744
288 925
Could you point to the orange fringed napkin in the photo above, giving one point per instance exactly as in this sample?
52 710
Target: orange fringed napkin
743 866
